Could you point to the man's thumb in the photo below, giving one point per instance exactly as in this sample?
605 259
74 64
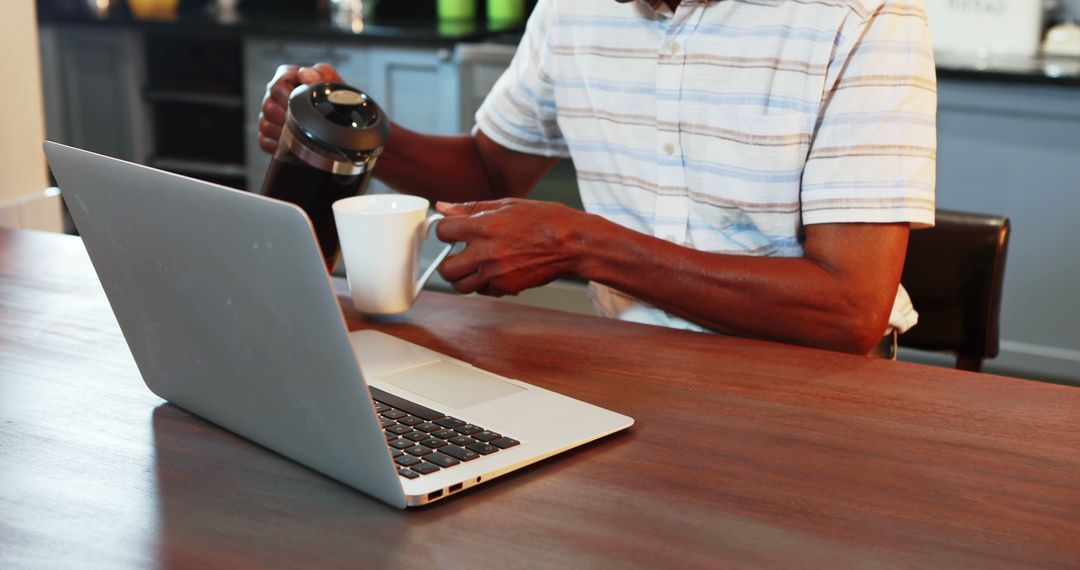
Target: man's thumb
450 209
465 208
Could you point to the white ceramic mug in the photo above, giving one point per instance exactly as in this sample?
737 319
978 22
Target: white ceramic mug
381 235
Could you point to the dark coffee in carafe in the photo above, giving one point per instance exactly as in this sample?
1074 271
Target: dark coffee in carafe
332 136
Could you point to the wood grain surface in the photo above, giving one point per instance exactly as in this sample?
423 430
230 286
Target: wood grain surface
744 454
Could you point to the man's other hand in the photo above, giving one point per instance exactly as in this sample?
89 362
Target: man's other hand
511 244
276 99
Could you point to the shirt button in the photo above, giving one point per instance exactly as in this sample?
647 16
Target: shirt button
674 48
669 149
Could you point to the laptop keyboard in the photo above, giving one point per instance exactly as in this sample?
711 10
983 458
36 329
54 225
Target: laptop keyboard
423 441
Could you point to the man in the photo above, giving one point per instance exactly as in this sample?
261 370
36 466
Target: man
750 167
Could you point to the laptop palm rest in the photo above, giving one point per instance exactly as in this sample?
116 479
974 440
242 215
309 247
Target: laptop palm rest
400 364
451 384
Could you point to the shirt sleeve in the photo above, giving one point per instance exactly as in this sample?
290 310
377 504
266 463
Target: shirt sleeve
874 151
519 113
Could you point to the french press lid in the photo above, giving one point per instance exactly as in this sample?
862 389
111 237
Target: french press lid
335 128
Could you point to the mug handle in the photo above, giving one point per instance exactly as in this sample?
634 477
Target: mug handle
428 223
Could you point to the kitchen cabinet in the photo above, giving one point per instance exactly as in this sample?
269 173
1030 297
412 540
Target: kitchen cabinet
91 80
193 95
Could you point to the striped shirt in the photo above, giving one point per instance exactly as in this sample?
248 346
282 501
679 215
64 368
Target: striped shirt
727 126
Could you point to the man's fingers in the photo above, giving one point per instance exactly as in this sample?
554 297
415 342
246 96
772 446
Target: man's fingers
471 283
280 92
309 75
327 72
268 144
286 73
318 72
457 228
450 209
468 208
269 129
274 103
459 265
273 112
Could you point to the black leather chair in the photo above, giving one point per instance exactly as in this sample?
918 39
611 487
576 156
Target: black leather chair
954 273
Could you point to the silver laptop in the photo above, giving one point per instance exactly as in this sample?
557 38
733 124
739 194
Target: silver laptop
224 300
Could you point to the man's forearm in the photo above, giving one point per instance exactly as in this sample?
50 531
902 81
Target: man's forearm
446 168
800 300
457 168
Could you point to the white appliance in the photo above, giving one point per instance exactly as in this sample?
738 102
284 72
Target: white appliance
986 27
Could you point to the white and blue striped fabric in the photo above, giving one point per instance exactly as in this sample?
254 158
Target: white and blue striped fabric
726 126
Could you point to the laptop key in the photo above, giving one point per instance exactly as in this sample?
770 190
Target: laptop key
401 443
444 433
403 404
468 429
427 427
396 453
483 448
398 429
449 422
408 473
390 436
441 460
416 436
462 440
410 421
406 460
504 442
394 414
425 468
417 450
486 436
433 443
386 422
459 453
380 408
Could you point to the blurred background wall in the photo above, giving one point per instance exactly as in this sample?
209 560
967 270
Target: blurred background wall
23 174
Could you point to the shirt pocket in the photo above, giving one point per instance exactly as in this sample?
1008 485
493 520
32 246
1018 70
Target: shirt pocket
743 173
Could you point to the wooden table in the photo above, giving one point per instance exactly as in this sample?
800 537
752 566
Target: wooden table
744 454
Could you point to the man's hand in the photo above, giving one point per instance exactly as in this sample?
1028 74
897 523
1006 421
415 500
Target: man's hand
511 244
276 100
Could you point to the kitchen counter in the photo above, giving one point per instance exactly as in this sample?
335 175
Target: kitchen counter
1044 70
301 26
